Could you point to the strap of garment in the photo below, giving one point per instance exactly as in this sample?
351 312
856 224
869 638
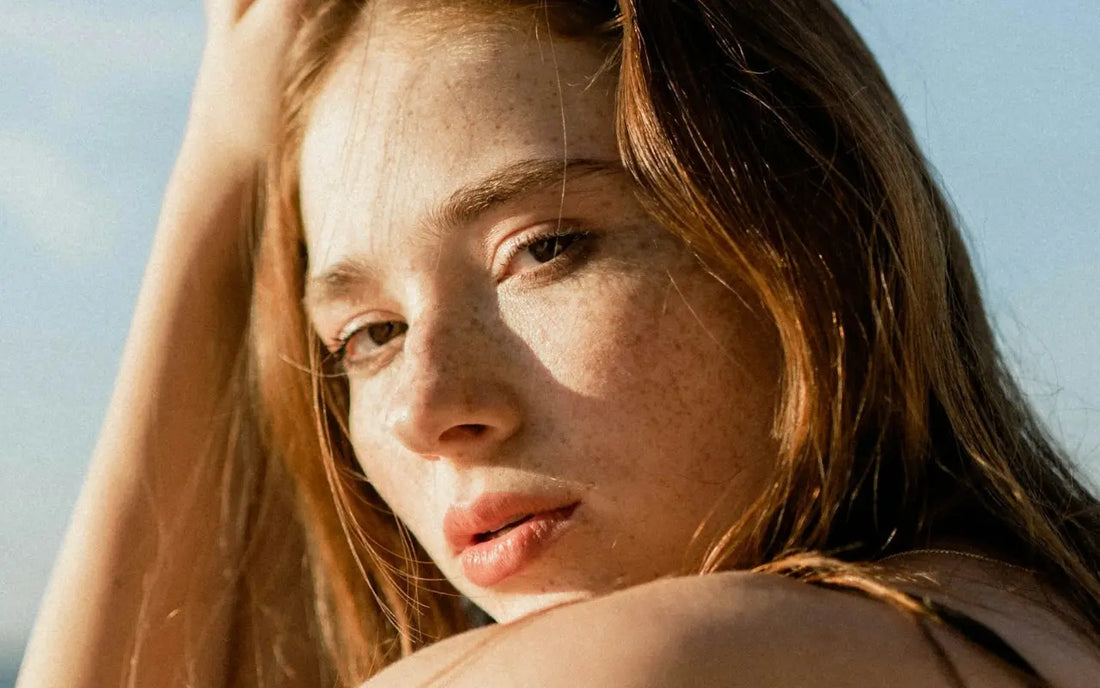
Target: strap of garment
982 636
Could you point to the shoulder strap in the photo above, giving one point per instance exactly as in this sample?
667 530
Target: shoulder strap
981 635
827 572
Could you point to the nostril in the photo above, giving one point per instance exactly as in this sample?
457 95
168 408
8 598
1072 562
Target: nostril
464 431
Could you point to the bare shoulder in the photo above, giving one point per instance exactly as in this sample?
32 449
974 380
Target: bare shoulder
729 629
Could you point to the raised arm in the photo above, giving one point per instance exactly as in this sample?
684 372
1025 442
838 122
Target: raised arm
143 573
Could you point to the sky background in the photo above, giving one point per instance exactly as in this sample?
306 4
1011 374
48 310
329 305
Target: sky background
1004 96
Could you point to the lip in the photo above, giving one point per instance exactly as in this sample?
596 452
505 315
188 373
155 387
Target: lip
486 562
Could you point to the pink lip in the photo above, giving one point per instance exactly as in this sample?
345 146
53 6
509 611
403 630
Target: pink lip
488 560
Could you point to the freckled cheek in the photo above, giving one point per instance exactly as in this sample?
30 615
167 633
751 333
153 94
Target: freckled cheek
584 340
667 379
389 470
604 350
722 377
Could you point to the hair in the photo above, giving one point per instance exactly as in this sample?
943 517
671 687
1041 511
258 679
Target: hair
786 164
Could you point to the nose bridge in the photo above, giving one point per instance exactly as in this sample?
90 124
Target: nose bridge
453 398
446 342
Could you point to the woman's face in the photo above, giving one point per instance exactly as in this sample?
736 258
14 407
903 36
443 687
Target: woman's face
522 342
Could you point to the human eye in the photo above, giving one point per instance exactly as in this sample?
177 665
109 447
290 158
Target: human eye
363 343
545 251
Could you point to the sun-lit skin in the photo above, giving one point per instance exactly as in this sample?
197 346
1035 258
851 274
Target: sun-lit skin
618 373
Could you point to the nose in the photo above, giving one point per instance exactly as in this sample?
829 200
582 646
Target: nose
454 399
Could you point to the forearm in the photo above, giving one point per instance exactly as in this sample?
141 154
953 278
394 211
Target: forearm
150 510
146 585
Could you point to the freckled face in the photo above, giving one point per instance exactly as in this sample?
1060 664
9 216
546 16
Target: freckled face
505 332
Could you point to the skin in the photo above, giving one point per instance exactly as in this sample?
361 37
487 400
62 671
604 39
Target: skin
619 374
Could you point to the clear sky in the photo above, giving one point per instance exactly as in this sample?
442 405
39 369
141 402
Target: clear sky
1005 97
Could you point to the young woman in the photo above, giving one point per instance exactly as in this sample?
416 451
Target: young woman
555 306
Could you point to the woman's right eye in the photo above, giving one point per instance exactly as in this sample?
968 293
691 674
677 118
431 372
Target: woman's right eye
361 345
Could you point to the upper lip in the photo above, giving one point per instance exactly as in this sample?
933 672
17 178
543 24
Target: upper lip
491 511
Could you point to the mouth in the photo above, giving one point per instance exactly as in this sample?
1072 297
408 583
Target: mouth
506 528
498 534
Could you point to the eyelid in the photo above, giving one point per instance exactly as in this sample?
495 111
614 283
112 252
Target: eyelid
519 241
354 325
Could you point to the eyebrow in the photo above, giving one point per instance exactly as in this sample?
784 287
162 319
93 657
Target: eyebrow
464 206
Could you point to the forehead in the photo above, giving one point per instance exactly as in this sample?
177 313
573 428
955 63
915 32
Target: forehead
412 113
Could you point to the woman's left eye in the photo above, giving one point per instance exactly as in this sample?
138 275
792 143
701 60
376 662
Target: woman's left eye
558 247
547 249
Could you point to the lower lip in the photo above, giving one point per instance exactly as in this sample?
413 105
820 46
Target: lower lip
487 563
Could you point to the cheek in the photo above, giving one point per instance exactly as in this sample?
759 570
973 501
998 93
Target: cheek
672 370
389 471
363 431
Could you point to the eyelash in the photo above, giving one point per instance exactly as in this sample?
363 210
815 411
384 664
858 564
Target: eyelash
565 258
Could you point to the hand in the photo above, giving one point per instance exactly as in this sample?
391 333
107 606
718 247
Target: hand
236 99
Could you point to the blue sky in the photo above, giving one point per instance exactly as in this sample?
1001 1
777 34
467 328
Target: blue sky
1005 98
